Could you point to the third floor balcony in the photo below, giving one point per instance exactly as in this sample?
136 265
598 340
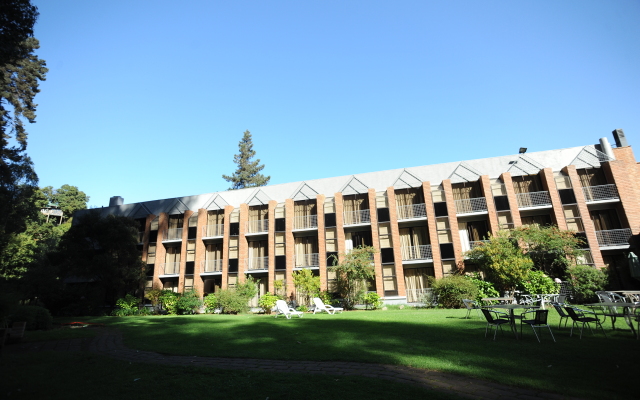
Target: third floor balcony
216 230
305 222
258 226
471 206
614 238
534 199
412 211
421 252
601 193
357 217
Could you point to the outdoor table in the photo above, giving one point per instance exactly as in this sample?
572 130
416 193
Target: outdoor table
627 311
633 295
512 317
499 299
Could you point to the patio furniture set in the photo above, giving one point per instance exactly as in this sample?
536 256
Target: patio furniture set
282 308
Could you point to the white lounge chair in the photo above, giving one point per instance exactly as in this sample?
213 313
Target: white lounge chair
320 306
283 309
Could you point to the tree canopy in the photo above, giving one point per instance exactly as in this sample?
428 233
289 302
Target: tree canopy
17 18
352 274
248 172
67 198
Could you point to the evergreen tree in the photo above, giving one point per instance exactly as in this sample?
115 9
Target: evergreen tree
248 172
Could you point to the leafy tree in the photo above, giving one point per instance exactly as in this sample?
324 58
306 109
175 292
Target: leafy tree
248 172
451 290
307 285
586 281
352 274
67 198
103 250
17 18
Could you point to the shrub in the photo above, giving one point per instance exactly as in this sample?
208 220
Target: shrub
485 288
452 289
268 301
586 280
153 296
169 301
126 306
372 300
231 301
210 303
539 283
325 296
303 308
188 303
36 317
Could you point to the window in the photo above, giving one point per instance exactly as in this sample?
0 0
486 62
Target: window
527 184
151 253
384 231
604 220
444 232
572 216
330 237
191 250
280 246
466 190
592 177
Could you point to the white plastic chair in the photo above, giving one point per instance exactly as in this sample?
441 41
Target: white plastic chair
283 309
320 306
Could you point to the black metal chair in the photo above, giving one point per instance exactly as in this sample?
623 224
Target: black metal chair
576 318
561 313
539 321
496 321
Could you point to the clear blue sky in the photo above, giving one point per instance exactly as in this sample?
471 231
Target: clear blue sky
148 99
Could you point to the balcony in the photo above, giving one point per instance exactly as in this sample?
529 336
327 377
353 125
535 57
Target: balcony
413 211
307 260
213 230
171 268
534 200
172 235
305 222
258 226
357 217
471 206
614 238
601 193
210 266
257 263
411 253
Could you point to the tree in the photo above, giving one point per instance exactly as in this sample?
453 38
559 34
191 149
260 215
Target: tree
352 274
17 18
248 172
68 199
307 285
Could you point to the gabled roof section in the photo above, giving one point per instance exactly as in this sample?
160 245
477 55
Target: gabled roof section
216 202
464 173
354 186
524 166
178 208
139 211
258 198
304 192
407 180
589 157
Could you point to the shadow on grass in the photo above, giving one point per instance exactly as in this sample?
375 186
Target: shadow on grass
429 339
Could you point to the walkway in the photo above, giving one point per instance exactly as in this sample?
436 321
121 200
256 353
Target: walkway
109 343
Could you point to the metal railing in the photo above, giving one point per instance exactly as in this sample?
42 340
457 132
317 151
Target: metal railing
476 243
254 263
533 199
470 206
307 260
357 217
600 193
422 252
211 266
613 237
412 211
213 230
305 222
173 234
258 226
171 268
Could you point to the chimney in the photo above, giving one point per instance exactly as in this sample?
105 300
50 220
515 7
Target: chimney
116 201
606 148
621 140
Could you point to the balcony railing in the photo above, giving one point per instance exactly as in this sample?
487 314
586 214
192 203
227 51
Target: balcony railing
613 237
470 206
307 260
171 268
357 217
211 266
533 199
305 222
213 230
254 263
412 211
258 226
600 193
173 234
422 252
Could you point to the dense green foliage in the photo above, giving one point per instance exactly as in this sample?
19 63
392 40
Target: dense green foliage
210 303
169 300
586 280
452 289
17 18
67 198
36 317
189 302
247 173
235 300
267 302
307 285
485 288
353 269
537 282
126 306
372 301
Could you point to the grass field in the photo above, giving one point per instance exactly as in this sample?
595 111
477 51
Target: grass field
593 367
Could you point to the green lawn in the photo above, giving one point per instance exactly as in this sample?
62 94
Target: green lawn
593 367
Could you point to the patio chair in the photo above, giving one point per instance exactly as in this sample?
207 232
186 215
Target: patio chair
283 309
539 321
320 306
494 319
561 299
577 315
563 315
471 305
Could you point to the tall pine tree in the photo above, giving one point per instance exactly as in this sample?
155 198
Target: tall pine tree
248 172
